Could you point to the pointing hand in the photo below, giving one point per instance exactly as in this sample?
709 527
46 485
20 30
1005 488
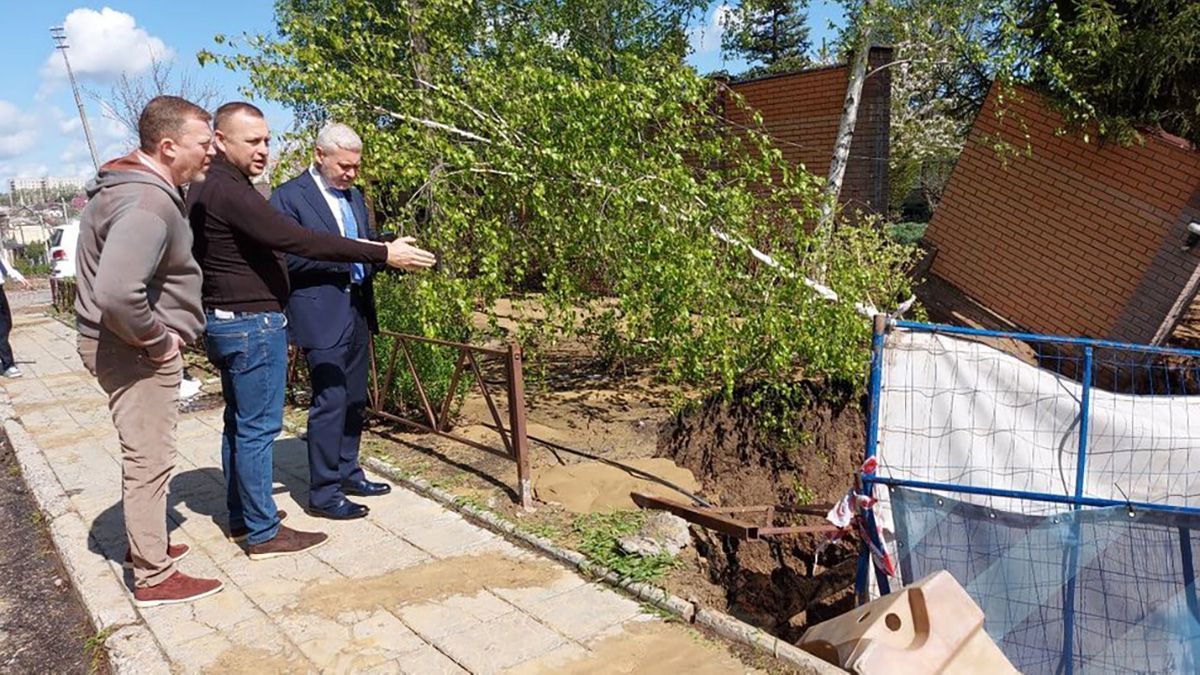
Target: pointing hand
402 254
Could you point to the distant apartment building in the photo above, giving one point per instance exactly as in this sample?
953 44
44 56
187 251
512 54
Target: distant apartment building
45 183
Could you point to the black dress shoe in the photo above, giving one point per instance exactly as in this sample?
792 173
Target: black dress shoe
341 510
365 488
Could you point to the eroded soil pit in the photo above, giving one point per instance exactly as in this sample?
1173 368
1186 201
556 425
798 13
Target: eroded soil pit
807 455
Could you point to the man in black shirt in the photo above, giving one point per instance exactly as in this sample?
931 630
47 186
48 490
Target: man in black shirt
239 243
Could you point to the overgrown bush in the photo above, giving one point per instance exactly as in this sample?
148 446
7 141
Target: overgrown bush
413 306
31 260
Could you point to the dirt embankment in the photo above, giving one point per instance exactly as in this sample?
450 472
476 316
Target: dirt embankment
802 448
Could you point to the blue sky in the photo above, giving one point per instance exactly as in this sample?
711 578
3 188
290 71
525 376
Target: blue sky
40 132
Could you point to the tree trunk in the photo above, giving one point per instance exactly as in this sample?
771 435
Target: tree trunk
845 135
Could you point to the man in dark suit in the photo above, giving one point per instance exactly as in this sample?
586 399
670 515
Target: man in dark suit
331 311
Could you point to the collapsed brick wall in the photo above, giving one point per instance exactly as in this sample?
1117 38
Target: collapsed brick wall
1074 237
801 111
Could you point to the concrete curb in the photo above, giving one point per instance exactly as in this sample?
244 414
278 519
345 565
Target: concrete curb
720 623
130 644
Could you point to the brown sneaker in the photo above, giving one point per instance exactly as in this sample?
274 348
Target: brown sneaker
286 542
240 534
176 552
178 587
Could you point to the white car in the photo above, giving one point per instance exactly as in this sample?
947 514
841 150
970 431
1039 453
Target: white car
63 240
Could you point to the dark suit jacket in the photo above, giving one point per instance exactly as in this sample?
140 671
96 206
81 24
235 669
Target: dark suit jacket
319 310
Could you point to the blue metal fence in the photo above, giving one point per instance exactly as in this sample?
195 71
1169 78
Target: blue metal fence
1119 368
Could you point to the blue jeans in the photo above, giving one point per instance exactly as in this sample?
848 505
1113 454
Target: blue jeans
251 352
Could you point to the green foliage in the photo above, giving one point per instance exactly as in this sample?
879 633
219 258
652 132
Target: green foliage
908 233
414 305
771 35
32 260
1122 63
43 196
32 269
804 494
470 501
598 534
1118 63
590 173
35 251
946 54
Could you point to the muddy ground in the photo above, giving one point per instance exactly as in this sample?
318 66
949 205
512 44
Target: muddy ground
43 626
576 401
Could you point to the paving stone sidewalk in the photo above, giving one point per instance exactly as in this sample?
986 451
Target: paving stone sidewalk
412 588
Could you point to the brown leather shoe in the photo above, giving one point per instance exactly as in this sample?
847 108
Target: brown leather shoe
241 533
286 542
178 587
176 552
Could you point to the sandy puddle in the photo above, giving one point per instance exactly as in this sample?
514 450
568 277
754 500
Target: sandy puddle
595 487
462 575
240 659
645 647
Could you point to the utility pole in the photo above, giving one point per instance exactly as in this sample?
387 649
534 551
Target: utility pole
59 35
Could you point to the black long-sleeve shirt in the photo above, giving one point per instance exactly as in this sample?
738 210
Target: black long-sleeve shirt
240 241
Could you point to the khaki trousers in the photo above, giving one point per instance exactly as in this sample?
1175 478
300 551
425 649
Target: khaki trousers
143 399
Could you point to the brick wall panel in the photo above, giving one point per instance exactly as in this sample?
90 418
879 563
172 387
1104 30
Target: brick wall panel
802 111
1078 238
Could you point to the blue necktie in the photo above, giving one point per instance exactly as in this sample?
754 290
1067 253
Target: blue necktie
357 272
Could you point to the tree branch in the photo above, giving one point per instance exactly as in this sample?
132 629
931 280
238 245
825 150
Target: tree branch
434 125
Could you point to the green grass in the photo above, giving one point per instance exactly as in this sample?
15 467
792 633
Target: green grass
545 530
598 534
449 482
471 501
94 648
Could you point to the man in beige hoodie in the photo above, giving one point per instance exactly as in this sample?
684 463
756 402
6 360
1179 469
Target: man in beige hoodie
138 304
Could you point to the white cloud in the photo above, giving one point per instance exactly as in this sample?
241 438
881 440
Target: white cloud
82 169
706 38
103 45
71 153
19 131
69 125
22 169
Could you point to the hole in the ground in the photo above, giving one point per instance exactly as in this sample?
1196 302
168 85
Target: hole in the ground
765 446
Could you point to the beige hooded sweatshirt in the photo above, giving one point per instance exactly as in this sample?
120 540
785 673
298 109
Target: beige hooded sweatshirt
134 268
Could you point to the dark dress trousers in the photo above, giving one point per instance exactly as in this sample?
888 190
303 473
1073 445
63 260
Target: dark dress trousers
330 320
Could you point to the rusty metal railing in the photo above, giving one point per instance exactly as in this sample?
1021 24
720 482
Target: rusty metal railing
514 438
732 520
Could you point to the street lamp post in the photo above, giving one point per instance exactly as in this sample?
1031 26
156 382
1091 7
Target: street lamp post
59 35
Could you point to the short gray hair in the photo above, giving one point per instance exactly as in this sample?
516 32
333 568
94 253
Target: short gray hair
337 135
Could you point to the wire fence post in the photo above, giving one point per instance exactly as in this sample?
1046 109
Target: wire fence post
879 329
516 424
1072 568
